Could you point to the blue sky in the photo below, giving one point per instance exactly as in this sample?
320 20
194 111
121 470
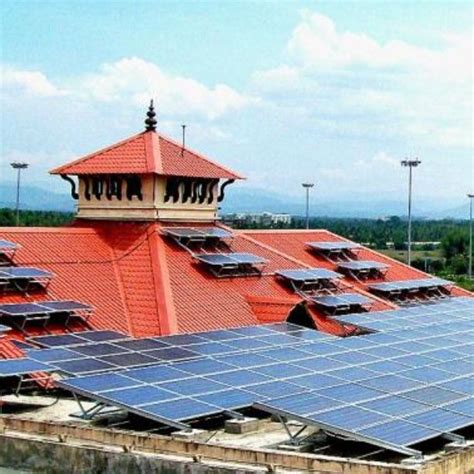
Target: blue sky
335 92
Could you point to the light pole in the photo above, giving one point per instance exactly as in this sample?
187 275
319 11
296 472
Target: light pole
18 166
471 197
307 186
410 164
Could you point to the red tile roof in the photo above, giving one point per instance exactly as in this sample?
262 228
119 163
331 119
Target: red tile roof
293 243
143 284
147 152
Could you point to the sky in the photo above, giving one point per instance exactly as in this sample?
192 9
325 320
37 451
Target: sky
333 92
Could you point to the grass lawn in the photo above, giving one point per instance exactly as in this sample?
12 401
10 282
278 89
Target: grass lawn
401 255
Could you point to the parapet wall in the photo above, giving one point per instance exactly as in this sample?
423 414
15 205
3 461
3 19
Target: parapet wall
25 442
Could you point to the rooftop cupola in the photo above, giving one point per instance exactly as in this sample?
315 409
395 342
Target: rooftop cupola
147 177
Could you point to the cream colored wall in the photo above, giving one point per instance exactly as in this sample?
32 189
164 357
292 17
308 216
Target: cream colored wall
152 207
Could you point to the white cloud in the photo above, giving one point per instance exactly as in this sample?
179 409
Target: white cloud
131 82
316 43
34 83
384 158
348 83
134 80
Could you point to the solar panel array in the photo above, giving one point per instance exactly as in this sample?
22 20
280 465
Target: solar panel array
17 273
43 307
231 264
230 259
362 265
335 246
392 388
308 275
425 391
344 301
197 233
409 285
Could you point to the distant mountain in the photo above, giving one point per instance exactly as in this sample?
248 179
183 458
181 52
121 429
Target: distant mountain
35 198
258 200
459 212
244 199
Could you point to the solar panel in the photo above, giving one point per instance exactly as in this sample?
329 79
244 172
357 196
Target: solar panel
57 341
465 407
394 405
99 349
317 381
172 354
300 405
441 420
82 366
229 260
65 305
247 259
229 399
53 355
309 274
432 395
216 259
197 232
184 232
77 338
139 395
101 382
193 386
7 245
362 265
350 393
349 418
101 336
345 300
140 344
399 433
217 232
462 385
129 359
22 309
23 273
407 285
275 389
333 246
17 367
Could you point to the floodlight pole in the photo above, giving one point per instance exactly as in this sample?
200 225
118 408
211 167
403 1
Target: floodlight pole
18 166
307 186
410 164
471 197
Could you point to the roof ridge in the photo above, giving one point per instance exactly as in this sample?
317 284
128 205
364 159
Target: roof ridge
95 153
118 276
48 230
162 284
193 152
283 231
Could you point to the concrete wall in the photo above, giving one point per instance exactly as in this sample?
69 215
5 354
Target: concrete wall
56 458
27 442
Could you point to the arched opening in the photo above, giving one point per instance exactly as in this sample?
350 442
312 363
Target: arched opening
299 315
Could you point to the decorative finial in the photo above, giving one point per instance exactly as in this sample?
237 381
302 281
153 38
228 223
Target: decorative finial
150 121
